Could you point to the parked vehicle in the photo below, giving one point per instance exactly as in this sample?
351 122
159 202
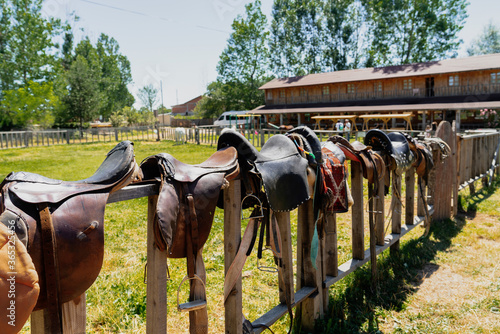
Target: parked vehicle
230 119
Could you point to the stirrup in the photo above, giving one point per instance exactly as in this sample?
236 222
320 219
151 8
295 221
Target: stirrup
266 268
192 305
260 206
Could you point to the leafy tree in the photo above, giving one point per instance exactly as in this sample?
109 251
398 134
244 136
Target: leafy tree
33 104
148 96
83 99
114 72
343 37
32 42
488 42
411 31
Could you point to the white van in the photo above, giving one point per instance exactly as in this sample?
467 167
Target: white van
231 119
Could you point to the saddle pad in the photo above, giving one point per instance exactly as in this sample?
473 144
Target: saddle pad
335 178
19 288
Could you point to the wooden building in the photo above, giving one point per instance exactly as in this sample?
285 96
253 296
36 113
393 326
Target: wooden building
452 89
186 108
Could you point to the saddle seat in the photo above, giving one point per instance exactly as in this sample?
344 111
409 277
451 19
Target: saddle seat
115 172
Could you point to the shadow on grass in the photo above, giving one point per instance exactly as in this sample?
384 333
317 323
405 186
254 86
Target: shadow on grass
355 306
468 203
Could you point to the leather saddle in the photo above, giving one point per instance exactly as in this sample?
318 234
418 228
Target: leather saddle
423 157
278 167
188 196
61 224
372 163
393 145
185 211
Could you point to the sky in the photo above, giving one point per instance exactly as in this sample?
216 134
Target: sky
175 45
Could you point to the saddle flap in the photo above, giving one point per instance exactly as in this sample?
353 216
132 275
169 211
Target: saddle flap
284 174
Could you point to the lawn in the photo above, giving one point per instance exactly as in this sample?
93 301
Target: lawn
418 290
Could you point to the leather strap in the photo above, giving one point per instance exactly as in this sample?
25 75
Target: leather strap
244 250
54 324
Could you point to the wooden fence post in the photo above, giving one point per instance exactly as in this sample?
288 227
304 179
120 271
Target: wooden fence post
233 308
445 173
410 196
357 212
156 290
286 275
396 209
73 318
307 275
379 213
331 262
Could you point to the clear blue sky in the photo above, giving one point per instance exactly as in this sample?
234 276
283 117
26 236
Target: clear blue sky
179 42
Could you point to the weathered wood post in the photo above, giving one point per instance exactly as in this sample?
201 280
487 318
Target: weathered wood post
156 290
445 173
286 273
396 209
357 212
232 238
307 275
410 196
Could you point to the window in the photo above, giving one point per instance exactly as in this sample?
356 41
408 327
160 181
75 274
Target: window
326 90
407 84
269 95
350 88
282 93
453 80
303 91
377 87
495 78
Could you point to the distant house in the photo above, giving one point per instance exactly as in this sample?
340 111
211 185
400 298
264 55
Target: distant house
186 108
451 89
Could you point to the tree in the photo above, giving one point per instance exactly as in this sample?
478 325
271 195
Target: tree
242 68
148 96
412 31
114 72
32 42
488 42
344 40
83 99
33 104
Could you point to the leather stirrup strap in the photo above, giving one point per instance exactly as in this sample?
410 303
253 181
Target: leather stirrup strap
191 233
244 250
51 270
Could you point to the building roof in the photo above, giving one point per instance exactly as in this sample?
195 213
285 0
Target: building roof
192 100
484 62
262 110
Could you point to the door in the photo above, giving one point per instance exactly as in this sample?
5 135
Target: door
429 86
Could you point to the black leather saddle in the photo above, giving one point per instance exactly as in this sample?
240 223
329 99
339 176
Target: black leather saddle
278 167
61 223
394 145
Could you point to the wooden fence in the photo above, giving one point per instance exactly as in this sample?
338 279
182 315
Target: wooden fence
310 293
17 139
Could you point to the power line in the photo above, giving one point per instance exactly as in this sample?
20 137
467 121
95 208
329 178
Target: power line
152 16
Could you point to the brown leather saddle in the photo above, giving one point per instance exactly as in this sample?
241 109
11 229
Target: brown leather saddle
61 223
372 164
186 204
